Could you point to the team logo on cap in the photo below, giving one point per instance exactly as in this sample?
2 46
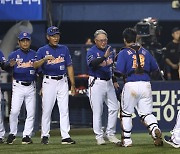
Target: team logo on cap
24 34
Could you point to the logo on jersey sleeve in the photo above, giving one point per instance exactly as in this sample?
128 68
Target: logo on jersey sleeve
90 58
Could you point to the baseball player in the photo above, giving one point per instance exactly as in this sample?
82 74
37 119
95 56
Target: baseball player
174 139
100 58
55 61
23 88
135 63
2 130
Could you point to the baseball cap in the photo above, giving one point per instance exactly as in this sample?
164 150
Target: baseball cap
24 35
52 30
175 29
100 31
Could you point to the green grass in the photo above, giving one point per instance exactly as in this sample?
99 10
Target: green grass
86 144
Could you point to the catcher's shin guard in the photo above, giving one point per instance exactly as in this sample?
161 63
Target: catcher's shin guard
126 126
150 122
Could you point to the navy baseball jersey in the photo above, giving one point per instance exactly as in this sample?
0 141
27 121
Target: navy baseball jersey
2 58
23 70
127 62
103 71
58 66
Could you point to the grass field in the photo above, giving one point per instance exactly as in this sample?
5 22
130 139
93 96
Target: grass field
86 144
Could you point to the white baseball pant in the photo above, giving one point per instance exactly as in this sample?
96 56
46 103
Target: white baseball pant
52 90
2 130
27 94
176 131
103 91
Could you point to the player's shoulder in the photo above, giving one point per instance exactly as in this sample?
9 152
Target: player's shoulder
44 47
33 51
125 50
92 49
62 46
144 51
15 51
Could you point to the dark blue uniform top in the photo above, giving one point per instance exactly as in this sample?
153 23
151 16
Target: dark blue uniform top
59 65
23 70
127 62
101 71
2 58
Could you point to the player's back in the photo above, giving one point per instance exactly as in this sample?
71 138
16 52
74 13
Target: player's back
127 63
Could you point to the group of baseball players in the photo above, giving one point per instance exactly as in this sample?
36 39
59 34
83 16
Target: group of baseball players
54 61
134 64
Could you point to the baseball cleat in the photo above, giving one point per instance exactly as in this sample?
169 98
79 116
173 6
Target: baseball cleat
68 141
45 140
26 140
168 140
113 139
11 138
120 144
158 140
101 141
125 143
1 140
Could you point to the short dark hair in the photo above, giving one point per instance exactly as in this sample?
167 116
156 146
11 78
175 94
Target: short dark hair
129 34
175 29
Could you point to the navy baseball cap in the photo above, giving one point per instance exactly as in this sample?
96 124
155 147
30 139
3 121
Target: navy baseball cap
52 30
24 35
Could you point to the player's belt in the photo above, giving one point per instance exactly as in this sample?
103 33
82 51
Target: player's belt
55 77
24 83
106 79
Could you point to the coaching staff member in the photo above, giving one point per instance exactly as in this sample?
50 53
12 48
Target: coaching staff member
55 61
100 58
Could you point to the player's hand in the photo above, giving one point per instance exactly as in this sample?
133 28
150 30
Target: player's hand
116 85
175 66
109 61
40 92
12 62
48 57
73 90
108 52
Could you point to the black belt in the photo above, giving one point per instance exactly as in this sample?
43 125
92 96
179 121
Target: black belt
106 79
55 77
24 83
